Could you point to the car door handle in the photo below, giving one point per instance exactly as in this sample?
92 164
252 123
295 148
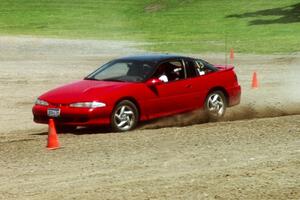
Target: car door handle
189 86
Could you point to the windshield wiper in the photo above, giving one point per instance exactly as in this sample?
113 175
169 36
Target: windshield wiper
112 79
90 78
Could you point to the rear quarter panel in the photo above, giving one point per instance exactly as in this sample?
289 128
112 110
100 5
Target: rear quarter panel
225 78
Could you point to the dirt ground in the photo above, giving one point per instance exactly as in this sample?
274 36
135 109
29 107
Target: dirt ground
254 153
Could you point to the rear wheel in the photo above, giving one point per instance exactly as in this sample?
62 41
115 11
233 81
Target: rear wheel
215 105
124 116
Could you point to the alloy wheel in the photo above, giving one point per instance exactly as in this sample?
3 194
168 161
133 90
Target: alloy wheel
216 105
125 116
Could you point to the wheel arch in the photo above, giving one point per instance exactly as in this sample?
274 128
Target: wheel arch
222 89
133 100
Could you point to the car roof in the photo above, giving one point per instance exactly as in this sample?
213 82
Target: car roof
152 57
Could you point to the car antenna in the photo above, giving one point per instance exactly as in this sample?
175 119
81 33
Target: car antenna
226 59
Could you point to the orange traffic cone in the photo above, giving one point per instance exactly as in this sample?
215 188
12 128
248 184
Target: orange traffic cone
231 55
52 136
254 81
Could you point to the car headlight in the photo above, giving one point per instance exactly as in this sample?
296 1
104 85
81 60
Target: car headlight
93 104
41 102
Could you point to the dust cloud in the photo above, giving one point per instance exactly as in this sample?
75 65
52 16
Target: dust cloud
242 112
278 94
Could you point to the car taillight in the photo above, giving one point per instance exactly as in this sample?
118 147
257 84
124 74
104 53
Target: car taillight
235 76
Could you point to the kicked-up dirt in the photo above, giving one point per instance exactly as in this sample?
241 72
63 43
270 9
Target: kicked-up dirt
254 153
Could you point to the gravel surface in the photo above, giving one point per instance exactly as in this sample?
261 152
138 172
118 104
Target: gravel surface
254 153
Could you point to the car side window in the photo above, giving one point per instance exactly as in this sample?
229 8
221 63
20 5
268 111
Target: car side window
203 68
170 71
200 68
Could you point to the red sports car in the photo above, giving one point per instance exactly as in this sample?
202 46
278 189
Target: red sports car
128 90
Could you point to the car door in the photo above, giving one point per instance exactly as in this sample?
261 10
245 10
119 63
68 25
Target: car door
197 82
172 96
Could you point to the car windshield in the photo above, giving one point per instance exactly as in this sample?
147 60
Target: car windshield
123 71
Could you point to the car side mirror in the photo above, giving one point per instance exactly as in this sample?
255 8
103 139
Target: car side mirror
153 82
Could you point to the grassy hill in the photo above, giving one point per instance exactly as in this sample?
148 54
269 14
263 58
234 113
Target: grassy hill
165 25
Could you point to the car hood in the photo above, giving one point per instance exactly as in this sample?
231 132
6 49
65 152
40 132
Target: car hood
80 91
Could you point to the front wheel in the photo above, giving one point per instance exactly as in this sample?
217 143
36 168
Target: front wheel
124 116
215 105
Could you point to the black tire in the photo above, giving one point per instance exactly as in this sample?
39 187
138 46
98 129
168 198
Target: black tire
215 105
124 117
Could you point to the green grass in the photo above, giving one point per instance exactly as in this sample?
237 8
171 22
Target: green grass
165 25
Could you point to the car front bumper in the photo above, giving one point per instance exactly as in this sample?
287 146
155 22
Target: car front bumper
74 116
